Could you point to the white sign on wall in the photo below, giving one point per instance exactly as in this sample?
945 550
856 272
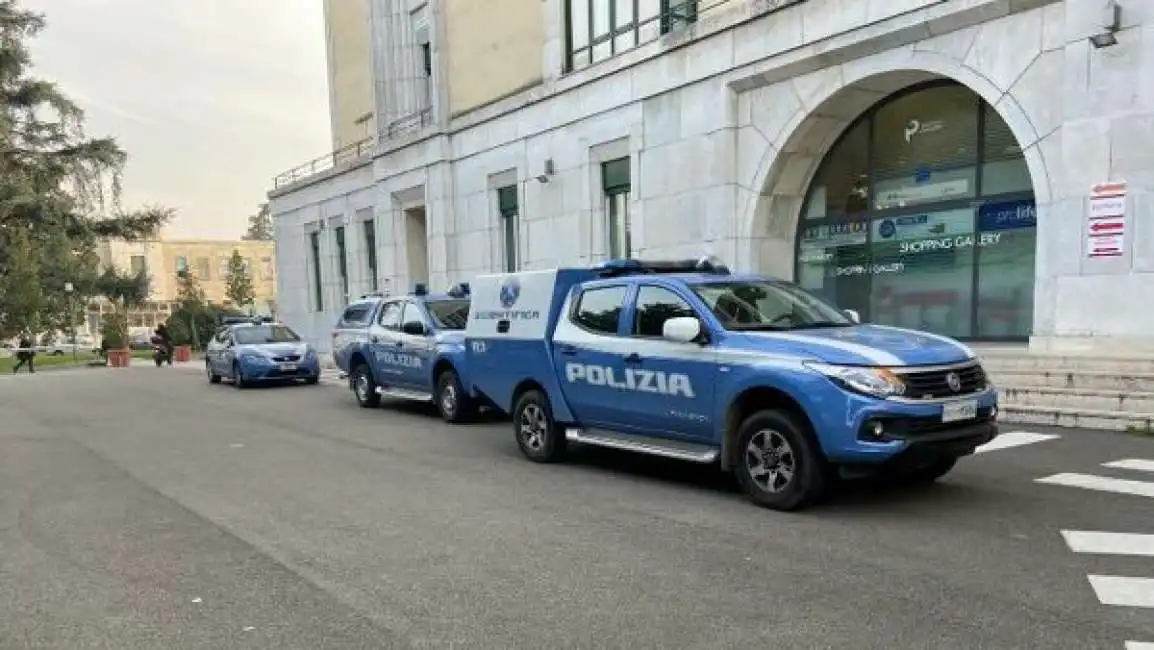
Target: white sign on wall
1106 221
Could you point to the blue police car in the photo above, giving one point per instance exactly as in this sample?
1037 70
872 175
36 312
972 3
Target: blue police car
688 361
259 350
407 347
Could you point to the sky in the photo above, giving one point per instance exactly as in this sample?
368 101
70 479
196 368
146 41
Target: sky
210 98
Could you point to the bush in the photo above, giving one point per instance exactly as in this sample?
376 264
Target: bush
179 331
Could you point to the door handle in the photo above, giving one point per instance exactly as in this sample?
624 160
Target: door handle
568 350
633 358
400 344
374 339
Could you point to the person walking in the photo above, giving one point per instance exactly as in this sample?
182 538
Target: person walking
25 354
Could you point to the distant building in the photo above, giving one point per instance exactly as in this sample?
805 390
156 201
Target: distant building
206 260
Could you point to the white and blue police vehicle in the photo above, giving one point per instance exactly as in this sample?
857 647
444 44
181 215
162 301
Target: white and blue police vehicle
688 361
407 347
256 350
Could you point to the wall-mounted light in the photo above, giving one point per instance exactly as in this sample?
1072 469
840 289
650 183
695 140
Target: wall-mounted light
1110 24
546 172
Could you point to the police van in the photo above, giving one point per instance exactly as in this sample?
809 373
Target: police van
407 347
686 360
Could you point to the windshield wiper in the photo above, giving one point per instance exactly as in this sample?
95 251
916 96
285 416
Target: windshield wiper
824 324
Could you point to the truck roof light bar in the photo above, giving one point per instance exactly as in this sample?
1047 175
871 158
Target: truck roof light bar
460 290
616 268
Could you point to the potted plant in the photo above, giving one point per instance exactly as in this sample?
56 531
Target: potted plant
114 332
181 340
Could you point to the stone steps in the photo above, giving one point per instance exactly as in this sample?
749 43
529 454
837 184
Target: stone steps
1073 391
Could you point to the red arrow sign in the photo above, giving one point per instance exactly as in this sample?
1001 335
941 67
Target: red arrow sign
1106 226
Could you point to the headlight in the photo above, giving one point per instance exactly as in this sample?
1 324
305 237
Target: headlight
876 382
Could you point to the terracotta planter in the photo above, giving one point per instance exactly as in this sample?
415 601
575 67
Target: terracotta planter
182 353
119 358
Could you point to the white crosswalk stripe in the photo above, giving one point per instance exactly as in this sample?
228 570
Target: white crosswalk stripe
1012 439
1136 464
1101 484
1117 591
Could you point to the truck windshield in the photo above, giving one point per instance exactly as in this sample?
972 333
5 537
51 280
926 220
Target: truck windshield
766 305
449 314
257 334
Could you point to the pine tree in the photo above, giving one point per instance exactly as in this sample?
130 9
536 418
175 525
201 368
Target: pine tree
260 225
239 289
59 190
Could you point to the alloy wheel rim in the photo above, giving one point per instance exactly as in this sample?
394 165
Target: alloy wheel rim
532 427
448 399
770 460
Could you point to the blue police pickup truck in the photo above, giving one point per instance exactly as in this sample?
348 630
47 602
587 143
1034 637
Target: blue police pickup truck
688 361
407 347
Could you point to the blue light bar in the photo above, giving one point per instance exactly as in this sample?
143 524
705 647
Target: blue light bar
460 290
420 289
615 268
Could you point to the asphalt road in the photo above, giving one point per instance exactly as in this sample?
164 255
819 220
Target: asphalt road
144 508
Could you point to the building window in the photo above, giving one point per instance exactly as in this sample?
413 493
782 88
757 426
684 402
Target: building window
922 216
599 29
370 229
315 261
615 183
510 226
137 264
267 268
342 262
181 265
203 268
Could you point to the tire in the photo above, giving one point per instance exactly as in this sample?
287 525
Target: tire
364 387
540 438
213 378
453 404
238 376
781 433
932 471
312 381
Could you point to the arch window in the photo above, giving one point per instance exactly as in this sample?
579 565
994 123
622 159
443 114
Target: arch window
922 215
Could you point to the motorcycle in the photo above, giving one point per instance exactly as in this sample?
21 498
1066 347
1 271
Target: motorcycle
159 352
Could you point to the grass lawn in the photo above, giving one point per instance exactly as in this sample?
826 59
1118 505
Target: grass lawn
47 362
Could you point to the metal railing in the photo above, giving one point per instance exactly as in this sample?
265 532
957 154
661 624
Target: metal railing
408 123
333 160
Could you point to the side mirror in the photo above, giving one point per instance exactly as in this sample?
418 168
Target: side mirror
852 315
683 329
413 328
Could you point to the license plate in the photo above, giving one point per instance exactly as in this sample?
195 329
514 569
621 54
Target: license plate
288 367
955 411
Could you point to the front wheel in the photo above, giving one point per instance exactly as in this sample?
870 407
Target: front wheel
238 379
452 402
780 465
539 437
364 388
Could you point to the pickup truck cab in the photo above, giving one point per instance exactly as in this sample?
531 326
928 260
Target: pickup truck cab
688 361
407 347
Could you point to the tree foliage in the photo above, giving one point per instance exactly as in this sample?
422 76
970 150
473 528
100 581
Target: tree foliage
239 289
259 225
59 191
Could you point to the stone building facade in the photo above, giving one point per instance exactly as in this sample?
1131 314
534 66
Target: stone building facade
928 163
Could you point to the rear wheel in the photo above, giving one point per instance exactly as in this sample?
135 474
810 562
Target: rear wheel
780 465
452 402
364 388
539 437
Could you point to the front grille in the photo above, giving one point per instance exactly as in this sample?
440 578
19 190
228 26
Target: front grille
292 358
931 384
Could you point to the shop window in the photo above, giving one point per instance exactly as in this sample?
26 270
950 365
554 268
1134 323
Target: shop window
834 263
841 187
925 147
1006 256
1004 167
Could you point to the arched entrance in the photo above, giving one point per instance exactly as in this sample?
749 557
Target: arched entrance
922 215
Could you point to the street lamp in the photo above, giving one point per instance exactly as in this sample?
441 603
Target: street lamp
68 289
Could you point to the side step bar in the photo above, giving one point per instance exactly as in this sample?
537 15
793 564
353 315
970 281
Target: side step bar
402 393
677 450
